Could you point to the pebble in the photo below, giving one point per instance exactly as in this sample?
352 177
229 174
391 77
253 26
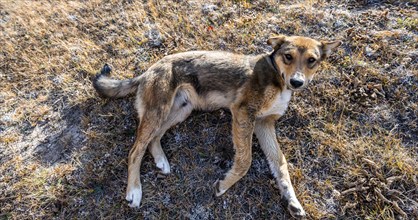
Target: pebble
369 51
207 8
154 37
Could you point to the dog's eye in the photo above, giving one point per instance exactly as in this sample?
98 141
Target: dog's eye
288 57
311 60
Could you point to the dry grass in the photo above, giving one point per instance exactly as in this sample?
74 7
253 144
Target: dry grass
351 138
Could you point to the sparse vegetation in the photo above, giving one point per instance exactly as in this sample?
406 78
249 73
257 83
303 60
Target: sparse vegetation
351 137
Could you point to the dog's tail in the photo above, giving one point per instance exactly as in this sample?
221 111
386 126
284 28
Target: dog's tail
112 88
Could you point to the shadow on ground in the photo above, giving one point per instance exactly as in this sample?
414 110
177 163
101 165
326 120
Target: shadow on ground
96 136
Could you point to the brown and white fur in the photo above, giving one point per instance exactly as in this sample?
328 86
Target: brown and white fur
256 89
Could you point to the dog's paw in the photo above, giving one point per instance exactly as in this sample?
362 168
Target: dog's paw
296 210
218 190
134 196
163 165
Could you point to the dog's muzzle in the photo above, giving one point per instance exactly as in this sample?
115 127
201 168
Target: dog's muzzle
297 80
296 83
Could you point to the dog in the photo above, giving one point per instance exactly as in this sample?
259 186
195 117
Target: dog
256 89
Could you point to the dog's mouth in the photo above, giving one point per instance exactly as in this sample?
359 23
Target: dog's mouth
295 89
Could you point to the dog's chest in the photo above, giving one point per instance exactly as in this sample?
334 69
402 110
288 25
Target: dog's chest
278 105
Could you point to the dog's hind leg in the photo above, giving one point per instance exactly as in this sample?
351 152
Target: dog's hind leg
159 156
147 130
181 109
266 135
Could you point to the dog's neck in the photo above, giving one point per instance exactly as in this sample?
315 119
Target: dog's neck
276 69
265 73
273 63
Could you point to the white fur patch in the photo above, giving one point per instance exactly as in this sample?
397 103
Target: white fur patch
134 197
286 189
296 204
279 105
162 163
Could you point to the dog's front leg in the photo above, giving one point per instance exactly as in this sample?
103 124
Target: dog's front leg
242 132
266 135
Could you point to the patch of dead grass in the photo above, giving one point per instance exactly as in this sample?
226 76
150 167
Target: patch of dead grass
350 138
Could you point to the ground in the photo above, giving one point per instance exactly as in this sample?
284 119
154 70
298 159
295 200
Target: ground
350 138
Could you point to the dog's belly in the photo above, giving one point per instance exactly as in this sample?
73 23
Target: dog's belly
214 100
279 105
187 96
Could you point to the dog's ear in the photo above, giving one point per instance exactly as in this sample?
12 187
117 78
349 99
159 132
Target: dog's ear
276 41
328 46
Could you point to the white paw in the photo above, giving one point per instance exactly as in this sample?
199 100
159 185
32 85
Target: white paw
163 165
295 209
133 196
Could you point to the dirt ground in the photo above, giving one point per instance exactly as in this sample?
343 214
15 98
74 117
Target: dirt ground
350 138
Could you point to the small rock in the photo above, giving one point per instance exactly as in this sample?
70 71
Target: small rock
57 80
72 17
7 117
207 8
369 51
339 23
154 37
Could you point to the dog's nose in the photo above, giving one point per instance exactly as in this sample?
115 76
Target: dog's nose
296 83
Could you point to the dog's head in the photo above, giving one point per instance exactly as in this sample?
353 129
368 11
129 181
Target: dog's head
298 58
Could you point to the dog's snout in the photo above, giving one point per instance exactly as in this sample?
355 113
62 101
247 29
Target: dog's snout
296 83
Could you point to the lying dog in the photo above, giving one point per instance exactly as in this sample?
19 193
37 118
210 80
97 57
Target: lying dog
257 90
